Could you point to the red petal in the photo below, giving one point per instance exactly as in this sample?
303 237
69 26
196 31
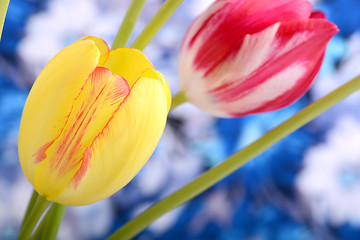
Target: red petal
301 43
223 31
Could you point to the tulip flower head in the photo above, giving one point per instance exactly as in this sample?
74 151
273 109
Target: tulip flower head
92 119
241 57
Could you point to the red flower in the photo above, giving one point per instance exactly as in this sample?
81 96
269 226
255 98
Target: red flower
241 57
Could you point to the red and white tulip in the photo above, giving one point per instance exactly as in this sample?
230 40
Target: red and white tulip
241 57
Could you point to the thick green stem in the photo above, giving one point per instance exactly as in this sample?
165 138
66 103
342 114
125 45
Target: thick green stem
234 162
30 206
128 23
156 23
3 9
50 224
38 209
178 99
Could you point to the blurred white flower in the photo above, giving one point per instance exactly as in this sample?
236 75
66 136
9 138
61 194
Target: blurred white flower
211 212
13 199
197 7
63 22
330 180
87 222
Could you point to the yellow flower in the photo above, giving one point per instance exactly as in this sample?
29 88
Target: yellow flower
92 119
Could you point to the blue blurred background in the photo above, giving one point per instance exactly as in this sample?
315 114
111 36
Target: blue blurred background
307 187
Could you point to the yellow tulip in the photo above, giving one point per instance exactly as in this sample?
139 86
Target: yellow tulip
92 119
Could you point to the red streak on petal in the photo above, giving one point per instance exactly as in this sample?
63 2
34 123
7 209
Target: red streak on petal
287 97
318 14
83 168
69 146
87 155
40 155
222 34
203 27
77 131
310 51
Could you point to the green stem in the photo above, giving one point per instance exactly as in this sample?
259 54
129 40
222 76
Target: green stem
178 99
30 206
212 176
156 23
3 9
38 209
50 224
131 17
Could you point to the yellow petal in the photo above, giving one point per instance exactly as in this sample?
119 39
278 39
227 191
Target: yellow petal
50 100
102 46
125 144
65 159
128 63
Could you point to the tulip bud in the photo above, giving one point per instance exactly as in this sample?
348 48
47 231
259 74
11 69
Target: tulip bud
241 57
92 119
